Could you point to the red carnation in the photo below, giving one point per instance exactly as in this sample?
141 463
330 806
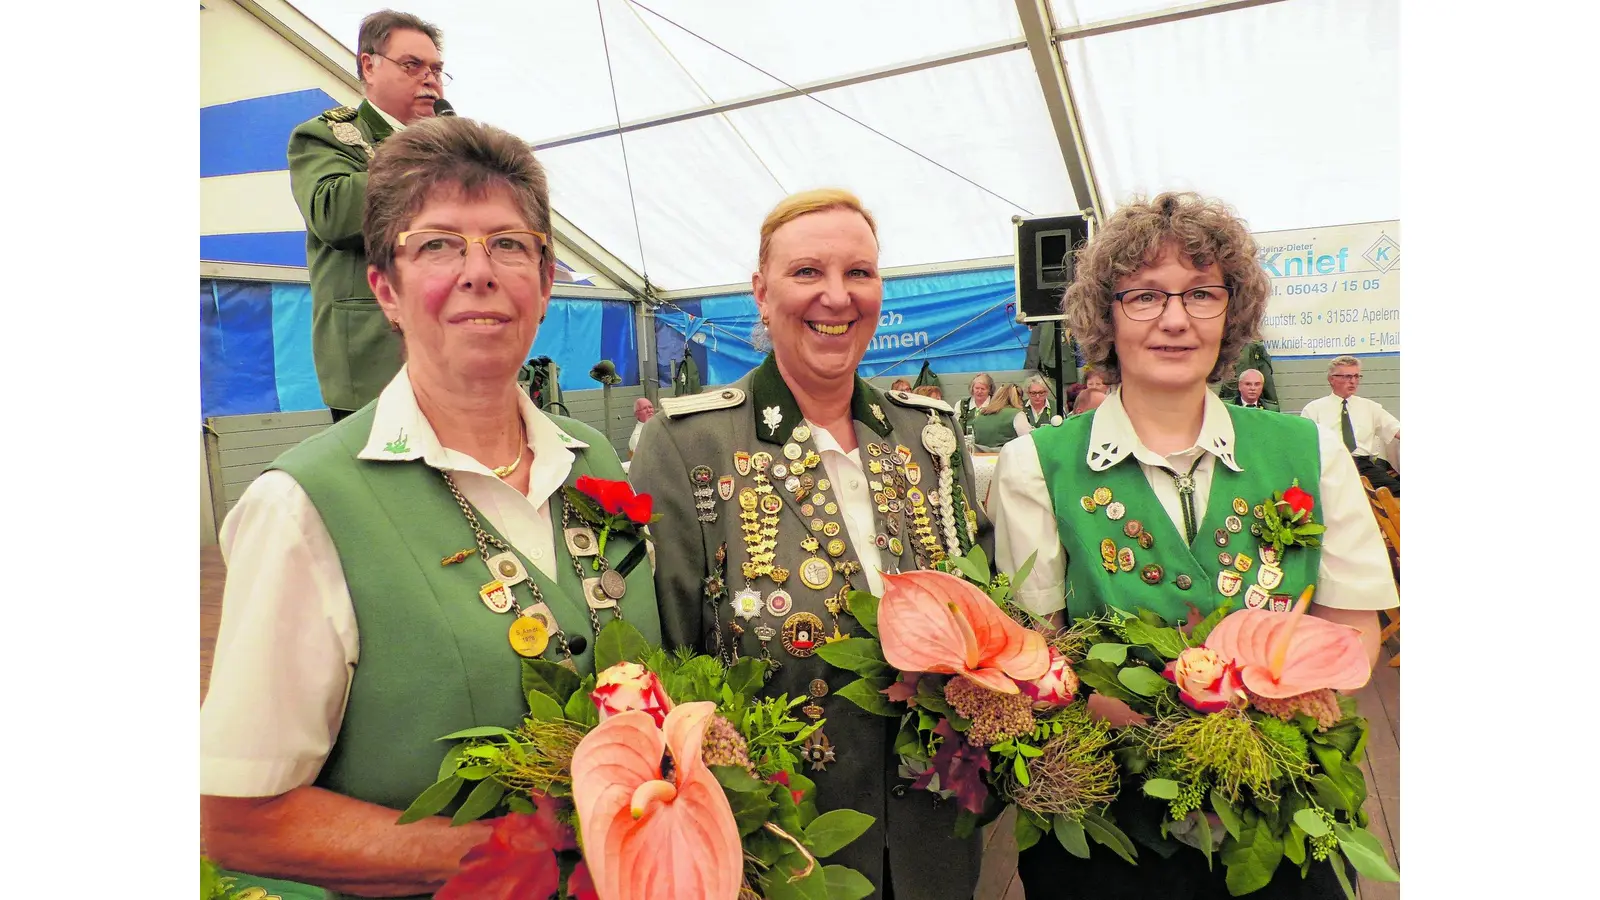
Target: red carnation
1298 500
611 495
637 506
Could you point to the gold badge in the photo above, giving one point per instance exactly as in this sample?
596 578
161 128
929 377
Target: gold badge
1146 540
1108 550
1234 524
801 433
1088 504
913 473
1183 582
801 634
1240 508
1282 603
831 529
748 499
1125 559
1151 574
529 637
1242 561
1260 511
779 604
772 504
831 508
896 546
836 548
1102 496
1267 555
761 462
1115 510
815 573
792 451
596 596
1132 528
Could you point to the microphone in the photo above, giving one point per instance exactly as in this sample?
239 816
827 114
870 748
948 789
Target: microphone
442 107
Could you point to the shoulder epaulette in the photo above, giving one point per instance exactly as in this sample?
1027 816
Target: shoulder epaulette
904 398
725 398
340 114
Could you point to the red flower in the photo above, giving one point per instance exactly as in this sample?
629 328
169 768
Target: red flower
617 498
518 860
960 767
1298 500
782 778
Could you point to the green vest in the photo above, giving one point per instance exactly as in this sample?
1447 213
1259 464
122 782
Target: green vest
434 659
1272 450
994 429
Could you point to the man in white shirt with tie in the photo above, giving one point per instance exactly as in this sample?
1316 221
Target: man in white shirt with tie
1366 428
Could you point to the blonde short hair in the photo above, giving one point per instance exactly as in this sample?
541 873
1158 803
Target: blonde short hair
804 203
1205 231
1006 397
1343 361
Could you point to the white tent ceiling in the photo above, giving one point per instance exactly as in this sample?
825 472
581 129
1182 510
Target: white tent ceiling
1286 109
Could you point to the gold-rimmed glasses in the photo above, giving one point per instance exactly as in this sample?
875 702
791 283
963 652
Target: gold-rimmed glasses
437 249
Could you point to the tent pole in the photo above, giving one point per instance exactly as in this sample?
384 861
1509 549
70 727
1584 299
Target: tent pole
1058 99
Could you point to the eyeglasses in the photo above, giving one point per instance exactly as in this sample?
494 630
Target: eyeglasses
1346 377
1036 393
441 249
415 68
1144 304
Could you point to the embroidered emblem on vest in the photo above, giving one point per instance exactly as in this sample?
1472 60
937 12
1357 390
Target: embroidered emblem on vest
347 133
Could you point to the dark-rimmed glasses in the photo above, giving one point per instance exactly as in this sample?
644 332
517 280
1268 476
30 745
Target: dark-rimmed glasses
438 249
415 68
1143 304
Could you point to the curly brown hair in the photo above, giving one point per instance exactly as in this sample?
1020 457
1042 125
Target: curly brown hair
1206 231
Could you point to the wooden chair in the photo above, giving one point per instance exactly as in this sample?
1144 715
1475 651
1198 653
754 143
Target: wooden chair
1386 510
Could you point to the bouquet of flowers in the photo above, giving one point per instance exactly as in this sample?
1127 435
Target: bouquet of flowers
1233 719
990 710
665 776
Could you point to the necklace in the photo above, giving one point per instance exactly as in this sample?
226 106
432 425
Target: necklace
522 444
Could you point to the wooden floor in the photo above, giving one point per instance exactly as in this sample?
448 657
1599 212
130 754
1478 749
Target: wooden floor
1379 702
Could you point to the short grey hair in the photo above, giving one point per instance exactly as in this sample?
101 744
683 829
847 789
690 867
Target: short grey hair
1248 371
1343 361
376 28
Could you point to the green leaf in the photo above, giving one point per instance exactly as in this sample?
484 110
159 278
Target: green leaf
864 607
1328 793
931 698
1150 618
1336 860
1019 768
480 731
864 656
1203 825
1294 845
1102 676
1110 835
845 883
747 676
1202 630
1251 860
1026 831
1165 641
541 707
485 797
1071 835
519 804
1365 853
1344 737
549 679
1162 788
970 569
867 693
1023 570
981 560
1142 681
1310 530
432 800
750 797
581 709
474 773
1310 822
618 642
777 886
832 830
1115 654
452 759
1226 812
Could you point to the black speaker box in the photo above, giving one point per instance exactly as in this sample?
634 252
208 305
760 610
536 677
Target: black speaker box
1046 247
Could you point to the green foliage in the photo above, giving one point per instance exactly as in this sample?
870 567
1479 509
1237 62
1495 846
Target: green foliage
1165 641
864 607
549 679
618 641
1290 739
1202 630
867 693
864 656
1251 858
1365 853
1027 830
431 801
846 884
1106 834
1071 835
1143 681
542 706
830 832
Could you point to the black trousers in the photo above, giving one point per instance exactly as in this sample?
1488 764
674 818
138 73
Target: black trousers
1378 472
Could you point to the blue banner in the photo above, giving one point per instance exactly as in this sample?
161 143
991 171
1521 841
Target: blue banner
958 321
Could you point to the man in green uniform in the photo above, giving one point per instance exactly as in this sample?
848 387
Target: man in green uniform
1252 391
355 350
1254 356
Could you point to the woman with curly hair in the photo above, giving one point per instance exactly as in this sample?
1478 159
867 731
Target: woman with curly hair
1151 497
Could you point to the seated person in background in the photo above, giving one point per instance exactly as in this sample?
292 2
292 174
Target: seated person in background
1366 428
929 390
1251 384
901 384
995 423
643 409
1038 410
1088 399
1094 380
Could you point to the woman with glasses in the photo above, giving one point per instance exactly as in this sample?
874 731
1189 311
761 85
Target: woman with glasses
1166 295
387 576
1038 410
995 423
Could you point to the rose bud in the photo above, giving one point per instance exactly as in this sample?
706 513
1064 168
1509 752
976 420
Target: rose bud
1055 688
1205 682
626 686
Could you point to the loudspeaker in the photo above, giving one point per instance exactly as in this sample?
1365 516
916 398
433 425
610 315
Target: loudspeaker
1046 248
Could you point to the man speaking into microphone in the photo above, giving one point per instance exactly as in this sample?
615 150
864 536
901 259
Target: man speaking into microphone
355 349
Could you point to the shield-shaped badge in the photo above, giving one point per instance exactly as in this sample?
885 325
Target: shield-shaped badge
1269 577
725 487
741 461
1256 597
913 473
1229 582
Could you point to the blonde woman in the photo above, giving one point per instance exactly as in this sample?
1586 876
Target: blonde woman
995 423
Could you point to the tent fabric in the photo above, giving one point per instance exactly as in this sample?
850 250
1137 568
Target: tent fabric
1289 111
962 321
255 346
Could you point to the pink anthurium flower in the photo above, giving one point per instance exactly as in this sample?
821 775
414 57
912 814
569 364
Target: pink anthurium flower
933 622
1284 655
656 825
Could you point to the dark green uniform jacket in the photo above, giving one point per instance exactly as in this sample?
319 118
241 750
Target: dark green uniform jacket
355 350
714 435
